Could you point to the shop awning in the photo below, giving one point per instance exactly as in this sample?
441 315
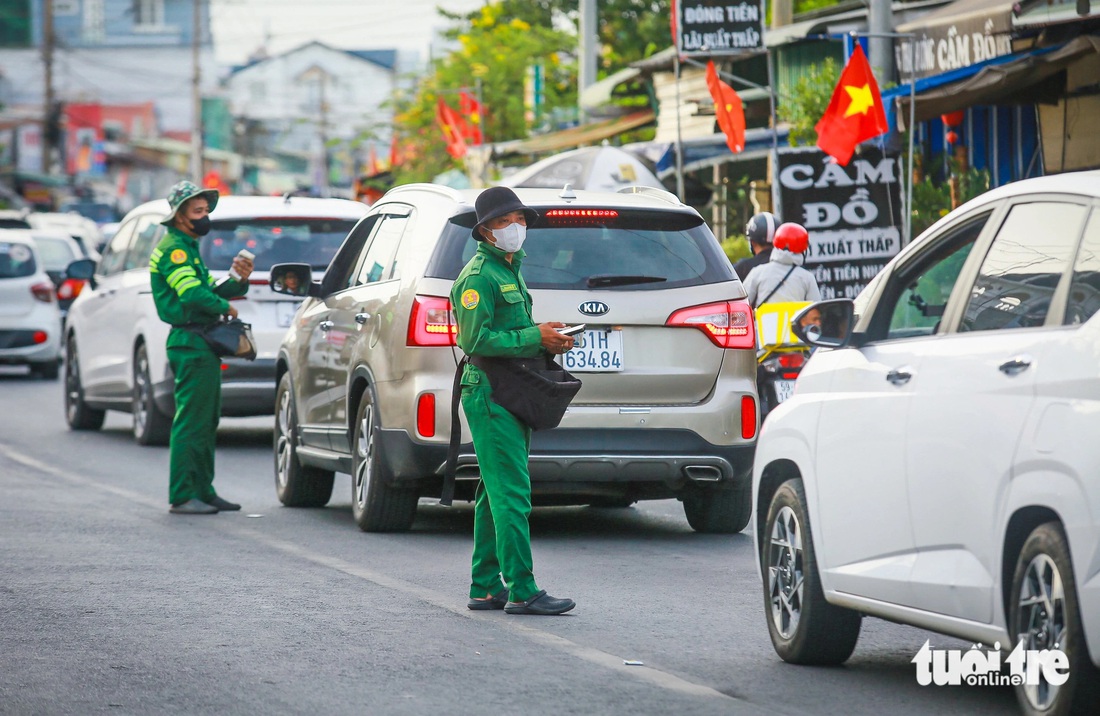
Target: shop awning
712 151
576 136
1012 79
599 93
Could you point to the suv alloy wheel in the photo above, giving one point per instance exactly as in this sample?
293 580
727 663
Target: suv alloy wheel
77 413
296 485
804 628
151 427
376 505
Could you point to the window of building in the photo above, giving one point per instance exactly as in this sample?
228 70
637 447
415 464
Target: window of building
148 13
95 22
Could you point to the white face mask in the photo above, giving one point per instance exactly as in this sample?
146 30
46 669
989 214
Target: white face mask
510 238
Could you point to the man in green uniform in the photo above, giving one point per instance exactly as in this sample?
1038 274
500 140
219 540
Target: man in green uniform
186 296
493 310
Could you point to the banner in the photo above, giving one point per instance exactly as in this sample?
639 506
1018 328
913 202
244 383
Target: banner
852 213
719 27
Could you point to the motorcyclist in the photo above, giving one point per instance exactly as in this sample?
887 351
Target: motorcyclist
760 231
783 279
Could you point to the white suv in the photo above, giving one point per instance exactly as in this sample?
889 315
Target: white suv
938 464
115 343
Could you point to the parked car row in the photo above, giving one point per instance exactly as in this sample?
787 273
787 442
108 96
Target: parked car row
30 320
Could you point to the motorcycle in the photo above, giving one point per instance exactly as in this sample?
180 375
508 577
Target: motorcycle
780 354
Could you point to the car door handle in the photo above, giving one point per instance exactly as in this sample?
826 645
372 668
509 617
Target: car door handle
326 325
1016 365
900 376
362 318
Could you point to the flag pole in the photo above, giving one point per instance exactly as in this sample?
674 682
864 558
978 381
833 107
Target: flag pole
679 133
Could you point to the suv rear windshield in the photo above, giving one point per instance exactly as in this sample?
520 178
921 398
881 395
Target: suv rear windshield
274 241
16 260
636 251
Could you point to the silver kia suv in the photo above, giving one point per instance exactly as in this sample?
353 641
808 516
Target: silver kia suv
668 407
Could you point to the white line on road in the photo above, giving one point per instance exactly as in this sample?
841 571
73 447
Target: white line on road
247 530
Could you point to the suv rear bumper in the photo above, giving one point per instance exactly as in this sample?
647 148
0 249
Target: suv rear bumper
659 462
248 388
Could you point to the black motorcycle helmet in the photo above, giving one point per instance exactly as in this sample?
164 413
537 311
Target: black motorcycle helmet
761 228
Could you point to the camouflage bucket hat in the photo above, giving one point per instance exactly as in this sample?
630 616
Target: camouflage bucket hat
181 192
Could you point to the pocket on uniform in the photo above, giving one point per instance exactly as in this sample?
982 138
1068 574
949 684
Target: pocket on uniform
512 296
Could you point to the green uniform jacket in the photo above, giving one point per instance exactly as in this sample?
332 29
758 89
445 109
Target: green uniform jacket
183 289
493 310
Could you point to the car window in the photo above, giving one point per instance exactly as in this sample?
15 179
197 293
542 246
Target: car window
915 298
1031 252
115 254
149 232
16 260
312 241
55 254
375 263
14 224
570 251
1084 290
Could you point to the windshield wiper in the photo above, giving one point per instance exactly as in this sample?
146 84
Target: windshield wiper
603 280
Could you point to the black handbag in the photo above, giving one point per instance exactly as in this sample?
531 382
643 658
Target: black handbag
229 339
535 390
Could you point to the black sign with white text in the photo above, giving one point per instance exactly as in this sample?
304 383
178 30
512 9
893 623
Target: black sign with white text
720 27
853 214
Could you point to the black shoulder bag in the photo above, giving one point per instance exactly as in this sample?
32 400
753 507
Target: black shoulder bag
228 339
781 282
535 390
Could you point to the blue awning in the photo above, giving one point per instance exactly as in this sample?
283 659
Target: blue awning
712 150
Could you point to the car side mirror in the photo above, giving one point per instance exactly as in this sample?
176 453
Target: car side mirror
82 269
825 324
294 280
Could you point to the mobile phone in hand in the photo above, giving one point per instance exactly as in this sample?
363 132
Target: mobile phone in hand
572 330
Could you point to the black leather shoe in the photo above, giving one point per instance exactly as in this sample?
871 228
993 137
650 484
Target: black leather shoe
193 507
541 603
497 601
223 505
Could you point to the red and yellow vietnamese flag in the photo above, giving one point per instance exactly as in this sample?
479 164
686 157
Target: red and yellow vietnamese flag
473 111
855 113
728 110
452 132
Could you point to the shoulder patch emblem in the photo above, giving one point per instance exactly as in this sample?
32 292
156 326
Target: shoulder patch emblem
470 299
178 256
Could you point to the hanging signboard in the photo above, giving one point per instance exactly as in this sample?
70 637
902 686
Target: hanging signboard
719 27
953 44
852 213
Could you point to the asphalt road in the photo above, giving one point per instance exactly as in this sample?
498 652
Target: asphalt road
109 604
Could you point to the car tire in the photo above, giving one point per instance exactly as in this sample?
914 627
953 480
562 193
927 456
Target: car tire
296 485
78 414
376 504
49 370
1044 613
804 627
719 510
150 425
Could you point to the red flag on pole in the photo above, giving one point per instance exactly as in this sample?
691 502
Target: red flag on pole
472 112
452 130
372 161
728 109
855 112
393 151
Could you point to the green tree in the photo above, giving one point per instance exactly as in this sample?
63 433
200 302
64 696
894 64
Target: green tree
809 97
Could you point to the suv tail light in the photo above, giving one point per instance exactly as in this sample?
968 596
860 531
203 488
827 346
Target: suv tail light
44 292
70 288
432 322
728 324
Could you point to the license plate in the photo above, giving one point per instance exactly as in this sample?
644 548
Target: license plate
783 389
595 352
284 312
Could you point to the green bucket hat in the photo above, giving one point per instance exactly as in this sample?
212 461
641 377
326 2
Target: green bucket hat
181 192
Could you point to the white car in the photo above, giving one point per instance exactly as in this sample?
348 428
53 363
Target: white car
938 464
115 351
30 321
85 231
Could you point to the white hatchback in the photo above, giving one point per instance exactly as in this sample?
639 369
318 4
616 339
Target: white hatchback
938 464
30 321
115 351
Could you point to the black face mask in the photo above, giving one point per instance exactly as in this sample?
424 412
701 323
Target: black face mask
201 227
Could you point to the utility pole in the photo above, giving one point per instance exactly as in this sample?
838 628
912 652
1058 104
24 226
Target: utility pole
880 26
196 93
48 102
589 33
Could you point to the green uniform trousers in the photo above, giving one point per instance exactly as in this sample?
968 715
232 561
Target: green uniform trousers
195 425
502 538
